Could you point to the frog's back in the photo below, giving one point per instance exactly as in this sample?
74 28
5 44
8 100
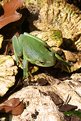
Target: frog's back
36 52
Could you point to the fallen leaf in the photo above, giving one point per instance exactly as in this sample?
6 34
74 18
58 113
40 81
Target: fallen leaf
14 106
12 102
18 109
67 107
10 13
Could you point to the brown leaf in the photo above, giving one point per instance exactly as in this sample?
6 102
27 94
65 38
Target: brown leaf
10 13
13 105
67 107
18 109
12 102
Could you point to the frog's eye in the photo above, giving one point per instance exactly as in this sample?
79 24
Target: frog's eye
42 62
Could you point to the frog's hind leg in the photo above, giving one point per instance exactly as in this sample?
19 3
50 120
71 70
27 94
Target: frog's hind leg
25 68
17 48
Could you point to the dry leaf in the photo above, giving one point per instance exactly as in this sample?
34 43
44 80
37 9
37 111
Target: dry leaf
14 106
18 109
10 13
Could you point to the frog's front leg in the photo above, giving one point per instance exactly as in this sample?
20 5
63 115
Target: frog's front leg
25 67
